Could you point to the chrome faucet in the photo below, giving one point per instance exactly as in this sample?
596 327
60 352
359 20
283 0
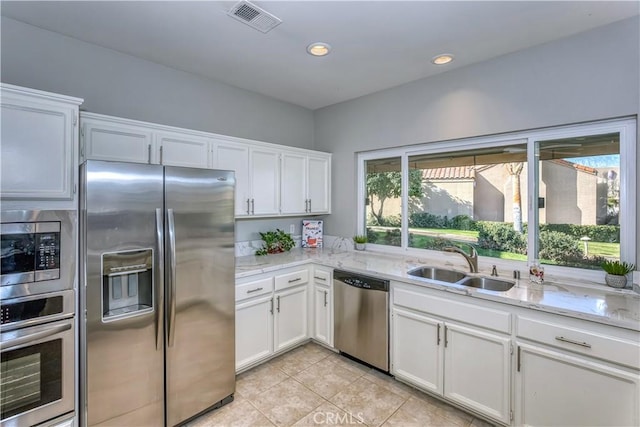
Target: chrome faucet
472 258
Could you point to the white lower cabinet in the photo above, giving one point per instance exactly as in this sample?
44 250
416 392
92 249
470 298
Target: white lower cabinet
470 366
322 306
254 330
477 370
272 315
290 317
556 389
417 350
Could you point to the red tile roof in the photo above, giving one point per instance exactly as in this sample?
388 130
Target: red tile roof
458 172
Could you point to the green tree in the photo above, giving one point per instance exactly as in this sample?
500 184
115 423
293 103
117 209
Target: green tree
388 185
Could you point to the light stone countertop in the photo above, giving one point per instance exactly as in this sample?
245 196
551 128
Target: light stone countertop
597 303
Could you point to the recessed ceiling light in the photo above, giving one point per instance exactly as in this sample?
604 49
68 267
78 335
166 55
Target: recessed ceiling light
442 59
318 49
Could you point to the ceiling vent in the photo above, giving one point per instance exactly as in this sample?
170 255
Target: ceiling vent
255 17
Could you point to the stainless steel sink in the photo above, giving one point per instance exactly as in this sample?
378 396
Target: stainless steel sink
487 283
435 273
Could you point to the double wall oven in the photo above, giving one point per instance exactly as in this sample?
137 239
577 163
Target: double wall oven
37 313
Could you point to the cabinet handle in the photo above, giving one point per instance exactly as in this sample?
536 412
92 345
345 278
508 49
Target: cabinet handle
278 307
518 359
248 209
161 147
325 298
320 278
309 205
149 153
297 279
446 340
271 310
306 205
254 290
567 340
253 206
438 340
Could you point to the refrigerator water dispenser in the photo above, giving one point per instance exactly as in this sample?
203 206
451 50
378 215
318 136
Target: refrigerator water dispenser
127 284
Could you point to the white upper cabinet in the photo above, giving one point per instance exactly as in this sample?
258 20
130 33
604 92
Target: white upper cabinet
271 180
235 157
264 174
319 184
116 139
177 149
305 183
38 150
102 139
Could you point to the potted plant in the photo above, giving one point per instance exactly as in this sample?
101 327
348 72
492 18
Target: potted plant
360 242
617 271
275 242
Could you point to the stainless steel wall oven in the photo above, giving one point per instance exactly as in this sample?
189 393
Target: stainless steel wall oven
37 316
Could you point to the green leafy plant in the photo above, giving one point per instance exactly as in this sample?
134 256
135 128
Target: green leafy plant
617 268
360 238
275 242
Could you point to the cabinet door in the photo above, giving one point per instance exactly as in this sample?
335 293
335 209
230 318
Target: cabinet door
182 150
477 367
322 314
37 150
293 195
254 331
235 157
418 347
553 389
116 142
264 172
290 317
319 185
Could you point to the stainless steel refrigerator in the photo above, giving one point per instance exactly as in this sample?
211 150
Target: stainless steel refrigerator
157 292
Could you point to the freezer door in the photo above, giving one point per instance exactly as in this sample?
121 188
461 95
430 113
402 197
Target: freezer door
122 349
200 289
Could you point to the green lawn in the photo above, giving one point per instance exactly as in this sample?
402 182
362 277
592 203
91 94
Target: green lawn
609 250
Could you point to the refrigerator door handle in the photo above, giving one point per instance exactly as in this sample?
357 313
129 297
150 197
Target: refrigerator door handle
159 278
171 277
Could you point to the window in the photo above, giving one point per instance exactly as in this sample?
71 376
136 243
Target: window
564 196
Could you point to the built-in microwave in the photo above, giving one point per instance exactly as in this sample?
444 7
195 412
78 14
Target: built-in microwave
38 252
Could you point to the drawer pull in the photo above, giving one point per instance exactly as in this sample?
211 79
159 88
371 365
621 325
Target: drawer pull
567 340
320 278
254 290
297 279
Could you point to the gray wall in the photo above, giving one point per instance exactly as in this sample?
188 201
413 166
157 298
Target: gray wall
121 85
590 76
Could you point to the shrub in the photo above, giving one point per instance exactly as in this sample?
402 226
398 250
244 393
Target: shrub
391 221
560 247
597 233
427 220
500 236
462 222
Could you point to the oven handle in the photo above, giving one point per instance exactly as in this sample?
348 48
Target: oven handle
53 330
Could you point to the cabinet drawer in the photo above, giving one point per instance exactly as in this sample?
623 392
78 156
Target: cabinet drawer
469 313
580 340
253 289
322 277
295 278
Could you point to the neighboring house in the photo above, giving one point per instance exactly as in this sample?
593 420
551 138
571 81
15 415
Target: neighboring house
569 194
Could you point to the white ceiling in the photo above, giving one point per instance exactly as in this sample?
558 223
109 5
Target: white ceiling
376 44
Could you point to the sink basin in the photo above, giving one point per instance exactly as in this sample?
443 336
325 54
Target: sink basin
487 283
435 273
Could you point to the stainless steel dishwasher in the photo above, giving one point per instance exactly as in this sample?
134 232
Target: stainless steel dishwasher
361 317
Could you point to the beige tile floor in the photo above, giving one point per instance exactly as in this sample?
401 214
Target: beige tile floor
312 386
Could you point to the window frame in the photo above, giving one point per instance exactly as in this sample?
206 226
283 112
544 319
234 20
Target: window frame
625 127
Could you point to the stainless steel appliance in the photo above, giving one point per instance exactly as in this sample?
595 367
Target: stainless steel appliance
361 317
37 324
38 252
157 293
